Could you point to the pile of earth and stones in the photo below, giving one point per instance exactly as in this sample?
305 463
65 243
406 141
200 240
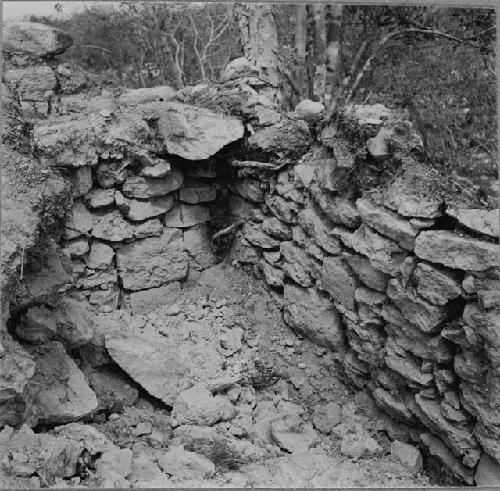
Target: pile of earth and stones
130 358
265 409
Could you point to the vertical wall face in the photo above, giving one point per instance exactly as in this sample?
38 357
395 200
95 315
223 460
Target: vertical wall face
136 231
403 286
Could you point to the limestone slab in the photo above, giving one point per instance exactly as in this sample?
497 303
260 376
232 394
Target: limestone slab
152 262
456 251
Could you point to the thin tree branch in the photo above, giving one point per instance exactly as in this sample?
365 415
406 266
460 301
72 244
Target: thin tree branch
94 47
229 229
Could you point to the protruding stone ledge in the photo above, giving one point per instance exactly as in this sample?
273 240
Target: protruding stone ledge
456 251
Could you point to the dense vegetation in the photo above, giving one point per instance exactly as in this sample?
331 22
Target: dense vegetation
436 62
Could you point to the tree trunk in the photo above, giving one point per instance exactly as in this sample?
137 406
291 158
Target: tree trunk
259 37
300 47
319 51
310 52
333 49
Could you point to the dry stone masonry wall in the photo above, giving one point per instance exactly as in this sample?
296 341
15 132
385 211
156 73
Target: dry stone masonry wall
402 285
343 222
139 222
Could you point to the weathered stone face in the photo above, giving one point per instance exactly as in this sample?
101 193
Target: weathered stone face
194 133
309 111
159 169
76 248
417 311
101 256
488 472
197 194
61 393
313 315
35 39
81 182
339 210
249 189
100 198
369 275
415 193
144 187
79 222
457 252
283 209
111 174
184 216
149 228
112 227
145 301
291 138
165 375
17 368
459 438
478 220
142 210
397 360
414 340
435 285
32 83
197 242
384 254
339 281
274 227
387 223
256 236
297 264
397 409
198 406
153 262
69 143
317 227
274 276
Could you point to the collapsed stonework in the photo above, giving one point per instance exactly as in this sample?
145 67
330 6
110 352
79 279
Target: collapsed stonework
403 286
350 231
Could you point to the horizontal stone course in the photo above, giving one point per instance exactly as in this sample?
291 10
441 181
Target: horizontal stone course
146 187
456 251
387 223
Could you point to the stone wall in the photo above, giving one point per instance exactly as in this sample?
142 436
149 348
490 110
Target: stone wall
350 231
131 233
404 286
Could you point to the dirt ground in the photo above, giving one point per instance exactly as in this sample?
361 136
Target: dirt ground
281 367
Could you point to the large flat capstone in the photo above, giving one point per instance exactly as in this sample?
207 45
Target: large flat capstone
194 133
34 38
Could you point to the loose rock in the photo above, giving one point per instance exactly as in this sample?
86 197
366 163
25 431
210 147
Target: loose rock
408 455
